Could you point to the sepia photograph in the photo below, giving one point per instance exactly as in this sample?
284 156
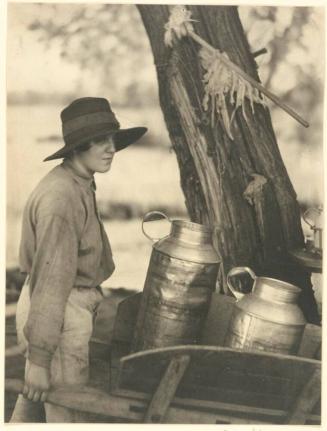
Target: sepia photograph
164 213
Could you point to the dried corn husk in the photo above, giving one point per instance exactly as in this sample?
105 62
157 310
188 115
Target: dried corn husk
221 81
179 23
243 84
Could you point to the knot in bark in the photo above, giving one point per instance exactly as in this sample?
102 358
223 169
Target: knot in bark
254 188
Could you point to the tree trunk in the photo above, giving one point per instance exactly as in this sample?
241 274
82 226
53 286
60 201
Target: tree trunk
256 231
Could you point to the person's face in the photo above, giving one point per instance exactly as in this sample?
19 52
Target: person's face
99 156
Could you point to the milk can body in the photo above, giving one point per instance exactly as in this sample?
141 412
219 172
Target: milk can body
180 280
266 319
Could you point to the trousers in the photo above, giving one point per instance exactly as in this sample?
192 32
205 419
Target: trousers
70 362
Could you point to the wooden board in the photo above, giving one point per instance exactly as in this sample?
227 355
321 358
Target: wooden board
166 390
217 374
311 342
312 261
126 318
306 400
263 415
219 315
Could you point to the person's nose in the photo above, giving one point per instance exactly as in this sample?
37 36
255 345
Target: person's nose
109 148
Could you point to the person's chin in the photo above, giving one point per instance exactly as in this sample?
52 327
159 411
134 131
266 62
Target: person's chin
103 169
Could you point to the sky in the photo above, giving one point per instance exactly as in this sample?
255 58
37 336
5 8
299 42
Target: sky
43 70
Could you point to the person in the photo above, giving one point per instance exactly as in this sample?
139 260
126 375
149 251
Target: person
66 255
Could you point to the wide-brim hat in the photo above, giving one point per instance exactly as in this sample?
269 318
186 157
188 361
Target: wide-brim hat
90 118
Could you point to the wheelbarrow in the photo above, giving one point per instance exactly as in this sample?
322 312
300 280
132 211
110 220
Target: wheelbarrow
195 384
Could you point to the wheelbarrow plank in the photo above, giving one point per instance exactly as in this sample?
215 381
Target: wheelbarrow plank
166 390
306 400
218 374
267 415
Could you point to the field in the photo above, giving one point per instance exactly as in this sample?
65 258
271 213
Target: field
142 178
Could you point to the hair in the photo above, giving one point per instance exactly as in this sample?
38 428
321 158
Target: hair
83 147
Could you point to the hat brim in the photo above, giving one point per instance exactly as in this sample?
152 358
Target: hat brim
122 139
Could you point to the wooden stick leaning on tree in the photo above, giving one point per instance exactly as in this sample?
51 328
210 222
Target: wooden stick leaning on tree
252 81
180 24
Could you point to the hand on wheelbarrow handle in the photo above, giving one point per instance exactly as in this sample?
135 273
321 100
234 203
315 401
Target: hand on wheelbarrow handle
87 399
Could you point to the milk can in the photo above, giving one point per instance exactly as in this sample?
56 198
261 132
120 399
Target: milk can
316 225
180 280
268 318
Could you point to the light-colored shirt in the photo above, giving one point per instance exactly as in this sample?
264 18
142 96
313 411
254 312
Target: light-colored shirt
63 245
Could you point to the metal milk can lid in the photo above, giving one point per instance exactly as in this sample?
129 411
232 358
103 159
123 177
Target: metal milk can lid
187 240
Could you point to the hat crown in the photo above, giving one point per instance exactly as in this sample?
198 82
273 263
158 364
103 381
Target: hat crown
86 105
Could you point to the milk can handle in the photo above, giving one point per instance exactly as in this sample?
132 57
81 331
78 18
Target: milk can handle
236 271
149 214
308 212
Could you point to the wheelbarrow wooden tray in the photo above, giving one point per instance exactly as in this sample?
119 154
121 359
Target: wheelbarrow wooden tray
196 384
219 384
235 387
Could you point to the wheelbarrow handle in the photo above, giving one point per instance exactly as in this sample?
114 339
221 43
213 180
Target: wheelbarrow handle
86 399
64 396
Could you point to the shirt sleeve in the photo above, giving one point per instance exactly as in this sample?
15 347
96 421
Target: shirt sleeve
51 280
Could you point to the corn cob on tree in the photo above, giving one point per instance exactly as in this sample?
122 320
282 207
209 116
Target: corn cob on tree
231 171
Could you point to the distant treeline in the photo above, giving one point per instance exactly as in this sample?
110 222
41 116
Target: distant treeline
129 210
34 98
31 97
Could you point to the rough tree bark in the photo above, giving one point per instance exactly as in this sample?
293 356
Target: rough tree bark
215 171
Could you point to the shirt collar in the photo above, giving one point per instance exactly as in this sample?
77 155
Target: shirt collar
82 178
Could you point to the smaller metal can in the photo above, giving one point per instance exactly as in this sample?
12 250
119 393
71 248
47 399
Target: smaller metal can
268 318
